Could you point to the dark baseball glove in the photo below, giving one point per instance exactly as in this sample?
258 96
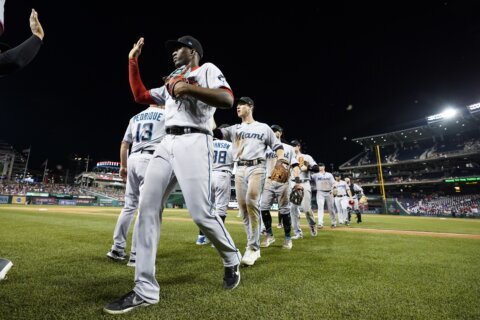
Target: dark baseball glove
280 172
296 196
172 82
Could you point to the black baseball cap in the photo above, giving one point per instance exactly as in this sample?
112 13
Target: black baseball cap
276 128
185 41
245 100
321 164
336 174
295 143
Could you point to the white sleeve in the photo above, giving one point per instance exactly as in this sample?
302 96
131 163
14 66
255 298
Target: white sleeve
159 95
128 137
311 162
228 133
272 140
214 77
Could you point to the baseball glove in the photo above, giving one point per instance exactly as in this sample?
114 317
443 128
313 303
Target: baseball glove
172 82
296 196
280 172
363 200
301 161
174 78
334 191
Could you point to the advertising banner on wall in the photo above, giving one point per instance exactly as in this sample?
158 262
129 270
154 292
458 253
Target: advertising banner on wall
66 202
4 199
19 199
44 200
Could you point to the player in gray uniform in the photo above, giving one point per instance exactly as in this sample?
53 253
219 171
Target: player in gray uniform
357 194
342 196
221 178
145 131
280 191
324 182
307 165
250 140
185 155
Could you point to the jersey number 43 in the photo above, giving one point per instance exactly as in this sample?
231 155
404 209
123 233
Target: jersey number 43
144 132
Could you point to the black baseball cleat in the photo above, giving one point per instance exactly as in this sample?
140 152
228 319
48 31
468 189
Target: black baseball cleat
125 304
115 255
232 277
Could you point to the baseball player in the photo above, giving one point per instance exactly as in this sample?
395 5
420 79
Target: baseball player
14 59
324 182
279 190
221 177
307 165
250 140
145 130
191 94
357 194
342 196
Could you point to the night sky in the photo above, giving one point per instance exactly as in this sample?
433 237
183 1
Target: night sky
303 66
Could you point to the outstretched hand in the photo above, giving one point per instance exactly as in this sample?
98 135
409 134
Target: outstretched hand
35 25
137 49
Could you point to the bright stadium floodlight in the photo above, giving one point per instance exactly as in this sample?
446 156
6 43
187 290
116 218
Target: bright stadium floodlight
447 114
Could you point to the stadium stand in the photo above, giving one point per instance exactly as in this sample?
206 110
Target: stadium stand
439 157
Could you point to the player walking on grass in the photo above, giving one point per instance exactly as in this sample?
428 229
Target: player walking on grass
221 180
324 182
307 165
145 131
280 190
191 94
250 140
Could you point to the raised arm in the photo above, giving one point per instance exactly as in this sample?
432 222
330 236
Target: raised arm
15 59
140 93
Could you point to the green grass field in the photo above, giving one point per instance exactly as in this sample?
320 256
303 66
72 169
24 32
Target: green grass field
61 272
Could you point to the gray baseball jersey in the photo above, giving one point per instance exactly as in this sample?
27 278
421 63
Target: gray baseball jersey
188 111
323 181
222 175
186 158
146 129
357 191
222 155
271 156
250 140
342 187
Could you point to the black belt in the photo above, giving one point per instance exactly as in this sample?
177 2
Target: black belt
225 171
145 151
183 130
249 163
325 190
340 196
